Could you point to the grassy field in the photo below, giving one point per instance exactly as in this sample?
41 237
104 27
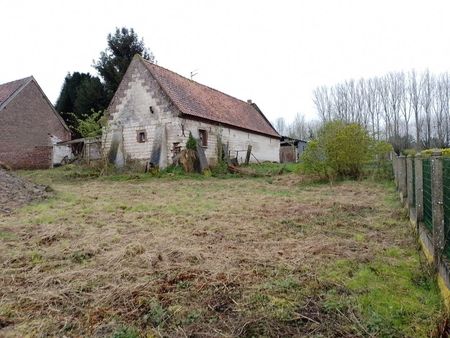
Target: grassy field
269 256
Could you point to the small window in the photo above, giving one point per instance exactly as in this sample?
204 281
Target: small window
203 136
141 136
176 148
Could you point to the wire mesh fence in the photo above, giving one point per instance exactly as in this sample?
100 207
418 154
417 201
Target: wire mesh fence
427 202
429 209
413 183
446 187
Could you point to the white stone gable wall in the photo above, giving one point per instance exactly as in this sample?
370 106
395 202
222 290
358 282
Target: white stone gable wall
132 114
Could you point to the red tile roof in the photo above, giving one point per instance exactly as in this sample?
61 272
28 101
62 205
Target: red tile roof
200 101
10 88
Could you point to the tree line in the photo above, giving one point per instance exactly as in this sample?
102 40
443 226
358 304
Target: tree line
299 128
409 110
84 97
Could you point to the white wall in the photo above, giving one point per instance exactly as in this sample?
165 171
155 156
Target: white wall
132 114
263 148
60 151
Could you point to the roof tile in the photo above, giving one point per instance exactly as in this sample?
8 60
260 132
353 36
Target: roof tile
197 100
9 88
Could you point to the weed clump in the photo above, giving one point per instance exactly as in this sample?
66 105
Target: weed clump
126 332
191 143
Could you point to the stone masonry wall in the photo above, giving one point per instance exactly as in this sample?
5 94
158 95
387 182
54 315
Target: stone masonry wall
263 148
129 113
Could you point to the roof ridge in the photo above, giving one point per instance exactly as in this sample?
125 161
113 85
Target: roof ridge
201 84
23 83
28 78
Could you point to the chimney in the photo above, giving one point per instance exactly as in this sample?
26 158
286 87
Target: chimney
249 101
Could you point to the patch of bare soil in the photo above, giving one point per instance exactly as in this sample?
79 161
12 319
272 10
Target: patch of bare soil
16 191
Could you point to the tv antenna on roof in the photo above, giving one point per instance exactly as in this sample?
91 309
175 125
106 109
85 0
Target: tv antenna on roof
193 73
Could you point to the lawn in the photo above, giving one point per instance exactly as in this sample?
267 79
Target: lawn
204 256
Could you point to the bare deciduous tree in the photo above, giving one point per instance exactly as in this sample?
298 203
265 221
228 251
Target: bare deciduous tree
389 106
280 126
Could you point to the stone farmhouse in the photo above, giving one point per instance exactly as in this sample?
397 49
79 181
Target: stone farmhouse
154 110
30 127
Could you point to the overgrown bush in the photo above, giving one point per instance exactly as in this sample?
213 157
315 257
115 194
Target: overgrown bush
314 159
382 166
341 150
408 152
90 125
219 169
428 152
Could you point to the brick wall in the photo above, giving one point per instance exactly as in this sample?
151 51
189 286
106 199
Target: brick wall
25 125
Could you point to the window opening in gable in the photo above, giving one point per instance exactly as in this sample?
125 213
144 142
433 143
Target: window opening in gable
141 136
203 136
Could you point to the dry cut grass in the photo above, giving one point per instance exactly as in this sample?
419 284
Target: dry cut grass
211 257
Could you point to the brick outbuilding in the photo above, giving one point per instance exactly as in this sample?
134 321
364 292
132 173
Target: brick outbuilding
29 124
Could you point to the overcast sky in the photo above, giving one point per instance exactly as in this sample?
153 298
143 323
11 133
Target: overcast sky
273 52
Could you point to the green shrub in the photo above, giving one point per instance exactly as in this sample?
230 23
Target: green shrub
408 152
90 125
191 142
340 149
220 169
428 152
381 167
314 159
381 149
347 148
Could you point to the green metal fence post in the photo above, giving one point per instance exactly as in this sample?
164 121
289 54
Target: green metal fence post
402 177
437 197
410 180
419 188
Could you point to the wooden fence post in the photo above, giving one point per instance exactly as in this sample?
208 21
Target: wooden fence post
227 152
247 156
419 188
437 198
402 177
410 180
